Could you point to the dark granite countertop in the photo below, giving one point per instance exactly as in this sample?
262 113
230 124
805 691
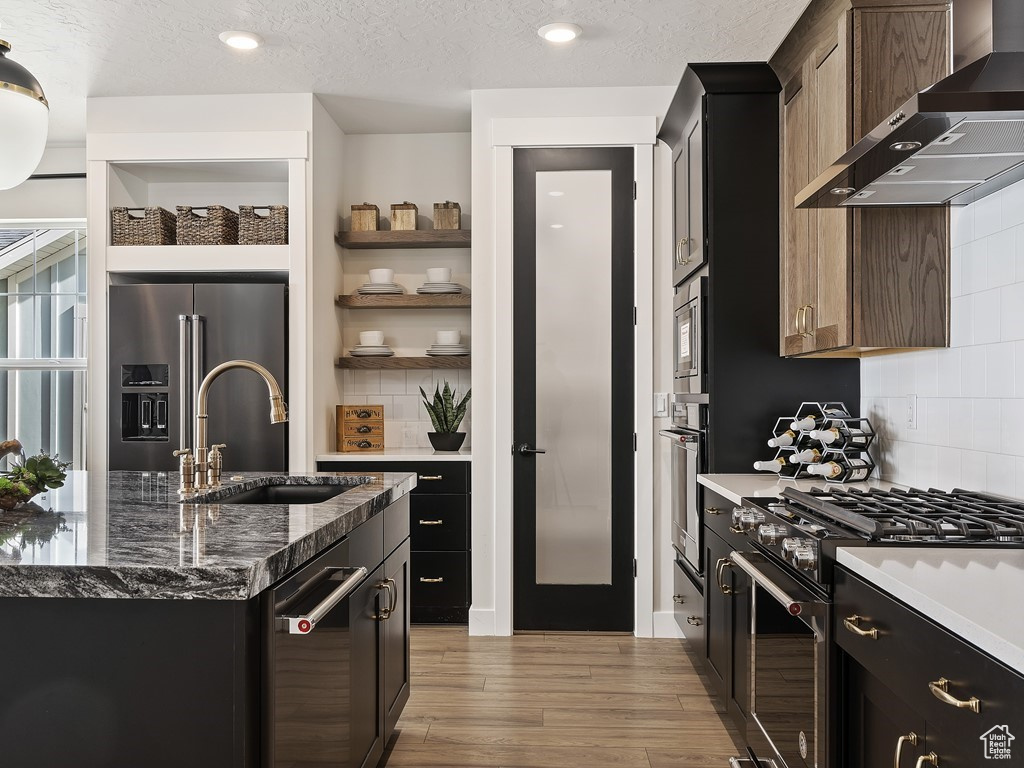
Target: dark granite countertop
127 535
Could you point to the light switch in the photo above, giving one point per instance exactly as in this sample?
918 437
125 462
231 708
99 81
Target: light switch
660 404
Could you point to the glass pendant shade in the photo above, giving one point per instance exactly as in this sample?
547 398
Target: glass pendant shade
24 117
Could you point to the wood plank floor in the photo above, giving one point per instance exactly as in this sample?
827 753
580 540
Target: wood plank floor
557 701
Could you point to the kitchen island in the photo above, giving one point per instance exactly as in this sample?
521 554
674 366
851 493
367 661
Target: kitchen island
138 630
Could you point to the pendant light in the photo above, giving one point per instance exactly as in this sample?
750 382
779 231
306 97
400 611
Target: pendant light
24 115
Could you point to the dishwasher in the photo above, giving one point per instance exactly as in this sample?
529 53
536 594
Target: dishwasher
322 627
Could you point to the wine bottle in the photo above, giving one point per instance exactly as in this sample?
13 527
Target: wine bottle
783 440
841 437
807 456
829 417
842 469
777 465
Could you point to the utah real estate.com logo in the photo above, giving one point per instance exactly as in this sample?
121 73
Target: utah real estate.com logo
997 742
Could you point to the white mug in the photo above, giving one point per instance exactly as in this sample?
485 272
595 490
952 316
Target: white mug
382 275
371 338
439 275
448 337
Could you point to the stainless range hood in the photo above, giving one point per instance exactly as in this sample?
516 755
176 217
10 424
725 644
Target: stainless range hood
953 143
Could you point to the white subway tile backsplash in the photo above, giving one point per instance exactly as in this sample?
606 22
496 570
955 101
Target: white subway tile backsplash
890 375
419 378
1018 252
988 215
973 472
365 382
1012 427
986 427
949 361
973 371
961 225
986 317
936 421
1012 312
956 271
999 369
999 473
407 408
1012 212
961 321
961 415
947 463
974 267
1001 258
926 373
393 382
926 459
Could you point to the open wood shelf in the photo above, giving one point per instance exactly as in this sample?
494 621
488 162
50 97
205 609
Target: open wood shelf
403 362
404 301
413 238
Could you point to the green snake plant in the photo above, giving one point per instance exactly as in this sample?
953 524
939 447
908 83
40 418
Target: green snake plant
444 413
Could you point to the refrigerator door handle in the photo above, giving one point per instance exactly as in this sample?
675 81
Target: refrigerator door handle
184 382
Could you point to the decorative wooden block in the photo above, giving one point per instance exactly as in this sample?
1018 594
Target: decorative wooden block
447 215
360 428
403 216
365 218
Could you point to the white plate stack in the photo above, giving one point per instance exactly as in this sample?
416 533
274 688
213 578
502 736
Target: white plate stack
448 344
439 280
382 282
371 344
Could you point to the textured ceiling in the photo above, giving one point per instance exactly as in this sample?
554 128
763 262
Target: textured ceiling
381 65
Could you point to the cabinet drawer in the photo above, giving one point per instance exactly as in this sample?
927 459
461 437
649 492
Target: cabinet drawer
911 651
396 524
688 606
358 413
431 476
439 521
440 578
364 429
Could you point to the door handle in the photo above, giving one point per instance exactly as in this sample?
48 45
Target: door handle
430 477
940 690
808 315
678 599
720 566
912 738
431 522
931 758
694 621
394 597
853 625
303 625
800 321
385 613
526 450
425 580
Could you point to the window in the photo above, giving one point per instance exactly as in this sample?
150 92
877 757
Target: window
42 340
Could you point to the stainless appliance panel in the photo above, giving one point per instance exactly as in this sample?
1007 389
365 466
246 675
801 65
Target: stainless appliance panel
689 339
685 493
245 321
144 334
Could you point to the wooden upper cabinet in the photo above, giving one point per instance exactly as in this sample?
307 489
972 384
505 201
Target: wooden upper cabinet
857 280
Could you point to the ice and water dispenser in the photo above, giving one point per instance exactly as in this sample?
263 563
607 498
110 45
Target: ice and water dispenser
144 402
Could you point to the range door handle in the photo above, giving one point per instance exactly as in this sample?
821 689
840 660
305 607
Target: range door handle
305 623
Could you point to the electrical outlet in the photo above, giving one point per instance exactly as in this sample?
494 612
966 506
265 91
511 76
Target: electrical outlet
660 404
911 411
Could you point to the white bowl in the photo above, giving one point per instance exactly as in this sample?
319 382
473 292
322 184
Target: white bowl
447 337
439 275
382 275
371 338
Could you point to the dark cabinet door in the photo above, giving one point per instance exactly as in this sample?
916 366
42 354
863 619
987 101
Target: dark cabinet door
718 639
689 253
367 728
396 675
878 724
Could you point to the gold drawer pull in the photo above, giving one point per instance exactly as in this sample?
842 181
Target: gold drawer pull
931 757
852 625
912 738
940 690
431 477
712 511
425 580
720 566
694 621
431 522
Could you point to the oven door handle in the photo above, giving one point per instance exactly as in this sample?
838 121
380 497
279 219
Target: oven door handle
679 437
797 605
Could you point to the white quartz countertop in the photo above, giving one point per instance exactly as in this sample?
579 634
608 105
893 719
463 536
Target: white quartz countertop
973 593
400 454
735 487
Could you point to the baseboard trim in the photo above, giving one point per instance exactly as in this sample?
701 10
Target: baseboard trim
481 621
665 625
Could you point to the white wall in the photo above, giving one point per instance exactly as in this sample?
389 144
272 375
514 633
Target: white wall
491 572
422 168
49 198
971 396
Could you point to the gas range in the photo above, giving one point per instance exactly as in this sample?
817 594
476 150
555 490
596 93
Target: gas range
802 529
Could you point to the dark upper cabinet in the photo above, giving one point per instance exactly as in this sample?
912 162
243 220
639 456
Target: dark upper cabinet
869 279
689 253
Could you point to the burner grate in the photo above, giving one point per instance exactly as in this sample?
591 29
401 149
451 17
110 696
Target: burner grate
918 515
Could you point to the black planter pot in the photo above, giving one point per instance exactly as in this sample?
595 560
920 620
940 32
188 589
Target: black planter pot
446 441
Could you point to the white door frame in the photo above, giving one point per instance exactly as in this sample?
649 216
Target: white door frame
507 133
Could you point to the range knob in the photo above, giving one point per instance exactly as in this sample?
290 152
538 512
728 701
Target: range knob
771 533
800 553
746 519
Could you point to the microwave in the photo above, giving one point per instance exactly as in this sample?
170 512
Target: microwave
689 345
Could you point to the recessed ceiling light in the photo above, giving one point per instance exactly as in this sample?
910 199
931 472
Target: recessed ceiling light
556 194
560 32
244 41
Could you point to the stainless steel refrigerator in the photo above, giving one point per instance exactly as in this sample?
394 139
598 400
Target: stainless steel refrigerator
163 338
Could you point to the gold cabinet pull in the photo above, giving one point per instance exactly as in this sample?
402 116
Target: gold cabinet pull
852 624
425 580
431 522
694 621
912 738
712 511
808 314
431 477
800 321
385 613
931 757
720 566
678 599
940 690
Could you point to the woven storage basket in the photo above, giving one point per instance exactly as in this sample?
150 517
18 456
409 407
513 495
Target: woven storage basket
218 227
155 227
269 229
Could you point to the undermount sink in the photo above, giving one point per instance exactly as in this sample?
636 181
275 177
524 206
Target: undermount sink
286 494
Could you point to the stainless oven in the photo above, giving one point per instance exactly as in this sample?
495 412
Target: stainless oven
687 438
689 346
791 665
